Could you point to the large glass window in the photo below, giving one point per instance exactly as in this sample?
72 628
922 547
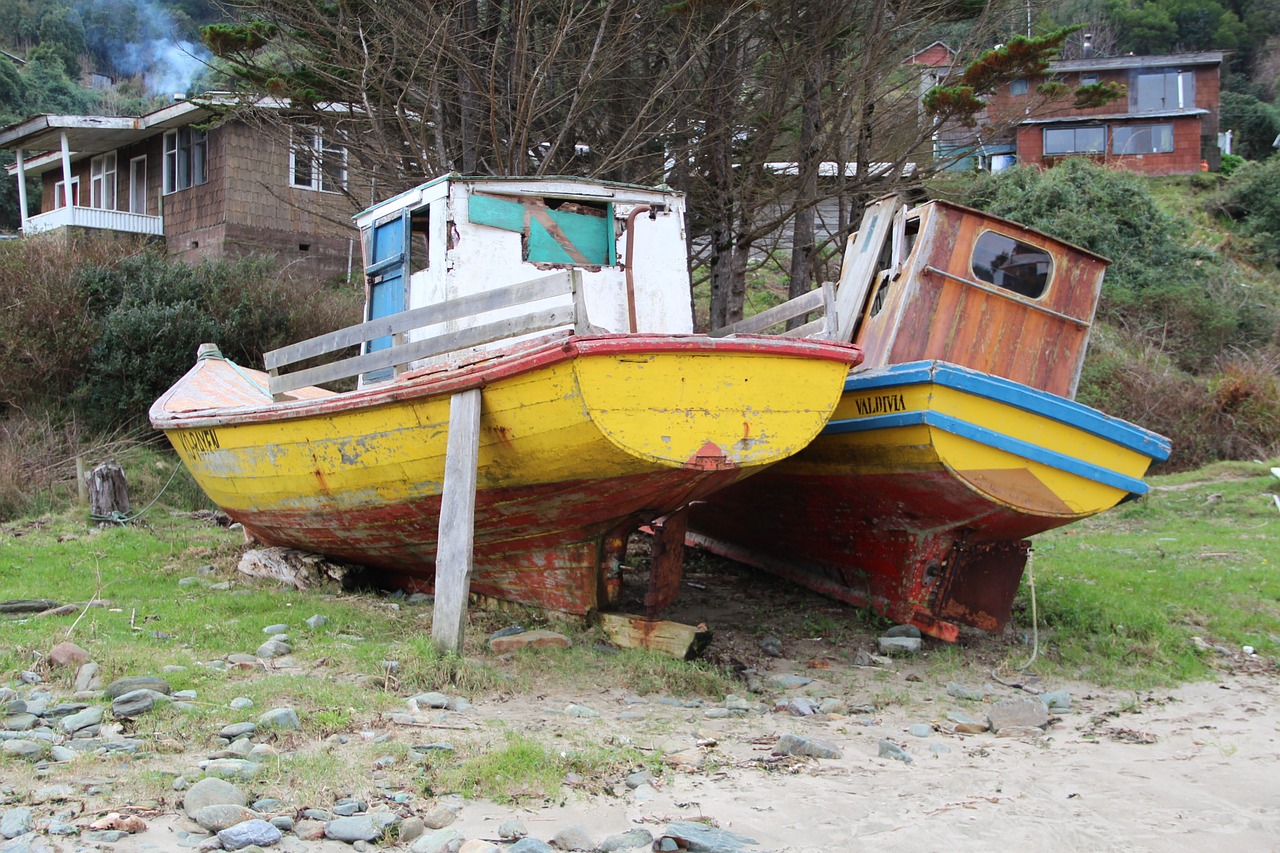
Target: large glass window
186 159
317 163
102 181
1142 139
1011 264
1075 140
1159 91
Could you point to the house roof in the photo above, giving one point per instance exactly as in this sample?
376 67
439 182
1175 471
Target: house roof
1129 117
1115 63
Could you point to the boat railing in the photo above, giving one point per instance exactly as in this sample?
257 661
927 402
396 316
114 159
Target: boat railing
568 283
822 300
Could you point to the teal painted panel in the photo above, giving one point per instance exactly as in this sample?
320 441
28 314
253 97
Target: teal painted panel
496 213
589 235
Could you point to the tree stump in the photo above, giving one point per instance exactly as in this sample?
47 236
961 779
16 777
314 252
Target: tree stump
108 492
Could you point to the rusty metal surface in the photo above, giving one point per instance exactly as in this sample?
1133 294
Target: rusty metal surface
979 582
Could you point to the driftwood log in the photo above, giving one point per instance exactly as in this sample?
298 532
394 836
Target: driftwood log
108 492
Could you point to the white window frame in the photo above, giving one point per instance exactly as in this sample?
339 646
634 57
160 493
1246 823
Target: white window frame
186 159
102 181
60 194
138 185
316 164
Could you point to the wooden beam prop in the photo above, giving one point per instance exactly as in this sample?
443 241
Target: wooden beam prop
457 521
683 642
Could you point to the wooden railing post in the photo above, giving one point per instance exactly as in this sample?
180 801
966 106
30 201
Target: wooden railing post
457 521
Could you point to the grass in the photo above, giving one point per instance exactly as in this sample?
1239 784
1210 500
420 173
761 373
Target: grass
1120 596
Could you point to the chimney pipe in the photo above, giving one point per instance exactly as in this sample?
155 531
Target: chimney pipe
1086 49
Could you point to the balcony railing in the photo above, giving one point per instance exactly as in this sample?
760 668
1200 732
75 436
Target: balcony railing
92 217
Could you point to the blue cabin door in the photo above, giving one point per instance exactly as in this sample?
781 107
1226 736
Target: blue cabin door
386 272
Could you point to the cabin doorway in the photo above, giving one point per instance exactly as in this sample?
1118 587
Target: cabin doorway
386 275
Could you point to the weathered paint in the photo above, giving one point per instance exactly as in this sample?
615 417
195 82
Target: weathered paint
580 438
910 488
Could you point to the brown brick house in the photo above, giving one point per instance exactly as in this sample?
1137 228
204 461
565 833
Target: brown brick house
1166 122
207 188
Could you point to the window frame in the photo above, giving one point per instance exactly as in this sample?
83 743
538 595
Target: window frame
1018 247
185 159
1135 130
103 181
321 151
1074 130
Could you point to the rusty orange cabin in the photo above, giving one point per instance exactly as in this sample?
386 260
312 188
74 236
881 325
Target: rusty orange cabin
962 286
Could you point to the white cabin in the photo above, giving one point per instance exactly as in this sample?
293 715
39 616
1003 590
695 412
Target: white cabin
457 236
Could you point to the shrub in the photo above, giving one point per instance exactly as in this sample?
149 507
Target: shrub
1252 198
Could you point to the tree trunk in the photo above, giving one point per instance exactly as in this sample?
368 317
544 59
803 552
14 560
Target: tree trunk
108 492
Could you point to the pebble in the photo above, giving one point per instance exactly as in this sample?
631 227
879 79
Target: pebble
889 749
15 822
439 817
439 841
219 817
699 836
1057 700
278 628
237 730
130 683
137 702
581 711
273 649
352 829
317 621
68 654
242 835
26 750
787 681
790 744
771 646
572 837
919 729
212 792
900 645
1023 711
231 768
88 677
412 828
429 700
241 703
280 718
511 830
959 691
903 631
629 840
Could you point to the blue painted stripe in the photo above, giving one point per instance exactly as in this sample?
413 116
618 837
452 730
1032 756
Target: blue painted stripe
992 439
1042 403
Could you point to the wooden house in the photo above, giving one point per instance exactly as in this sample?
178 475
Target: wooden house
206 188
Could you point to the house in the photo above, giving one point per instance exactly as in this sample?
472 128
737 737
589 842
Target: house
205 187
1165 123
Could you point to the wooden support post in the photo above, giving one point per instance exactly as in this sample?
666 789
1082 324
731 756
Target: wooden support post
82 482
108 492
457 521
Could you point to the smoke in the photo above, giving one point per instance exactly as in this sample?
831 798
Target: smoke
143 38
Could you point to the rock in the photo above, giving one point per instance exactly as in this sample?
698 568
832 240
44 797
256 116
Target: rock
16 822
19 722
700 838
903 631
283 822
640 777
237 730
919 729
964 724
1019 711
790 744
231 768
137 702
429 700
581 711
900 645
441 841
531 845
219 817
540 639
242 835
61 754
353 829
273 649
629 840
240 703
572 837
509 631
347 807
1057 700
25 750
787 681
309 830
439 817
801 706
889 749
52 794
278 628
212 792
1023 732
771 646
68 654
939 748
317 621
130 683
280 718
961 692
412 828
512 830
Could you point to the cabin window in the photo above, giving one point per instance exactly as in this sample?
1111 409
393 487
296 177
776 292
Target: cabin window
419 240
317 162
565 232
102 181
1011 264
1018 86
186 159
1142 139
1075 140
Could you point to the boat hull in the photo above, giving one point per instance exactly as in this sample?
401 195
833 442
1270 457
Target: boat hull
582 440
918 497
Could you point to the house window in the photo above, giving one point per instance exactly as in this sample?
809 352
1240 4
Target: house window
1160 91
1088 79
1011 264
316 163
1075 140
60 193
1142 139
102 181
1018 86
186 159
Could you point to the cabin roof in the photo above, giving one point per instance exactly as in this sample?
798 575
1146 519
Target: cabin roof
1114 63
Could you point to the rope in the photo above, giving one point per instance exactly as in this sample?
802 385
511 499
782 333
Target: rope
122 519
1035 616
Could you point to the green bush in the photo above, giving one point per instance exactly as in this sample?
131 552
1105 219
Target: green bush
1252 198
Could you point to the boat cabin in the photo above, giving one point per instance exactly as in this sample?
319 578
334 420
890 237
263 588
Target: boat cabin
946 282
463 236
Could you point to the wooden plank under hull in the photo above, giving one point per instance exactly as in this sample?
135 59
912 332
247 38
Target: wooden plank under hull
908 506
580 438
